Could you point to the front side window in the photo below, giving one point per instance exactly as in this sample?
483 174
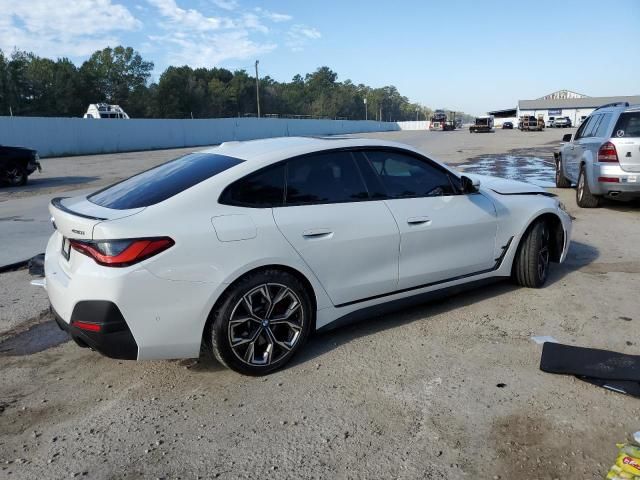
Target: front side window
405 176
263 189
162 182
330 177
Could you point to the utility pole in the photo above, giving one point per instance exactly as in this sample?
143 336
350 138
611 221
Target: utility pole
366 113
257 88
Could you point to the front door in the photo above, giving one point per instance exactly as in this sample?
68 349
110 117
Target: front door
444 233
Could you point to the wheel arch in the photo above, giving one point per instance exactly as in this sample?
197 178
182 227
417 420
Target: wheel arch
557 234
273 266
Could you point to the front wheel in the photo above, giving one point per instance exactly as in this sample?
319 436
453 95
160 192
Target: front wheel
531 264
561 180
261 322
584 197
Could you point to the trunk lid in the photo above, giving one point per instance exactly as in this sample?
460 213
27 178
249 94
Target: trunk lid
628 150
75 217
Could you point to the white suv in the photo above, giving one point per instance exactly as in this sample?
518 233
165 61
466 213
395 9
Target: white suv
603 158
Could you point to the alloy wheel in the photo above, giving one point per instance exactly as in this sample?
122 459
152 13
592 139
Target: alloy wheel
543 254
581 187
266 324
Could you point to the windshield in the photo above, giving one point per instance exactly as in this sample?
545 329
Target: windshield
162 182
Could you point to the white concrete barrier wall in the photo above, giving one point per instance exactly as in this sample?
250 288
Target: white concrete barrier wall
77 136
414 125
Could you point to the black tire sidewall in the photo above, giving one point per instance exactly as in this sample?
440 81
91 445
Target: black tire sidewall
220 324
587 200
22 175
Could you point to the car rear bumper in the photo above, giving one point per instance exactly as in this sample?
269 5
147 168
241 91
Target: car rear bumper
145 316
613 181
109 333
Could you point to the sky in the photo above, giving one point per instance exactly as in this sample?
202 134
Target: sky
470 56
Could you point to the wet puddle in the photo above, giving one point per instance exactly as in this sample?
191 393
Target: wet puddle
38 338
535 170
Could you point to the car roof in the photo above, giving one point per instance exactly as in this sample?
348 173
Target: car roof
270 150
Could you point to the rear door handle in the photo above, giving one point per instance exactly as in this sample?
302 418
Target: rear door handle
317 233
418 221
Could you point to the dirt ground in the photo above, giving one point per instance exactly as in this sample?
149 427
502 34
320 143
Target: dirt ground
445 390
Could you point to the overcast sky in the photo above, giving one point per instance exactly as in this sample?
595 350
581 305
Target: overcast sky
472 56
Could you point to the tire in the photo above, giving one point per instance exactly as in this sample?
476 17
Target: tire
561 180
531 265
16 175
584 197
244 335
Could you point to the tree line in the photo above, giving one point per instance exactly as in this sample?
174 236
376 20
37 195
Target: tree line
35 86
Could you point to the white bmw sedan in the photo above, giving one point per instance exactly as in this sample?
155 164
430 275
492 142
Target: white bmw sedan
248 247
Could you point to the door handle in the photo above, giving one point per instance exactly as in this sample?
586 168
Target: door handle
418 221
317 233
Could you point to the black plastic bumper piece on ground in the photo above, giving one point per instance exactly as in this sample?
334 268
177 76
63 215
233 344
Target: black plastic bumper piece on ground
114 339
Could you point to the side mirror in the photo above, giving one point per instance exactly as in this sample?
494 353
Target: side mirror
566 138
469 185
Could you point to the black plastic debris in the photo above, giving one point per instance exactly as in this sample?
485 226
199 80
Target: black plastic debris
36 265
615 371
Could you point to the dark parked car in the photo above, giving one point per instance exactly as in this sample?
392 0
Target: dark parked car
17 163
507 125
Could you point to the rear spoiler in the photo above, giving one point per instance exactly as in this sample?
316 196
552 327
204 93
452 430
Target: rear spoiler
57 202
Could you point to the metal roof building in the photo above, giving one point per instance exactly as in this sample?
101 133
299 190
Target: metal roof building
574 103
563 103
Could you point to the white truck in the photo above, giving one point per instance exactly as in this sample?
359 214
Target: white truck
104 110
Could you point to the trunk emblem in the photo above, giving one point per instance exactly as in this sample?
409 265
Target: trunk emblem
79 232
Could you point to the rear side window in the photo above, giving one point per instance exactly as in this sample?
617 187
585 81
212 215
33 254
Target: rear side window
592 127
628 125
263 189
162 182
331 177
406 176
586 125
603 126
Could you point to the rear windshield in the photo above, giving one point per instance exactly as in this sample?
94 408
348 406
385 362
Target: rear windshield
162 182
628 125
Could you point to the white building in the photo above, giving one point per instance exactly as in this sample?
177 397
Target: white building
563 103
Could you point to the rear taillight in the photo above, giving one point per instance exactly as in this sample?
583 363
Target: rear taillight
608 153
122 253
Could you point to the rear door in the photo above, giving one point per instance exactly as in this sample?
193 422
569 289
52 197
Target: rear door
574 150
443 233
346 236
626 138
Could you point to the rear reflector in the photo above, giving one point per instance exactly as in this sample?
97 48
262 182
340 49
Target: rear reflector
90 327
122 253
608 153
609 179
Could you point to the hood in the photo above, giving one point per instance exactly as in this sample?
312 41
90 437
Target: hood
504 186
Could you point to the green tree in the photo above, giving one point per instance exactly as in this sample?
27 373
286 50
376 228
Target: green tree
113 74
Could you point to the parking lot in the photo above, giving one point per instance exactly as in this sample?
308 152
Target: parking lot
449 389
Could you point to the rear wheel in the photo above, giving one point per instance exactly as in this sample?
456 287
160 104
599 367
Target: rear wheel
584 197
16 175
261 322
561 180
531 265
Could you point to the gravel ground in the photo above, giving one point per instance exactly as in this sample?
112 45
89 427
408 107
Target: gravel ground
449 389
